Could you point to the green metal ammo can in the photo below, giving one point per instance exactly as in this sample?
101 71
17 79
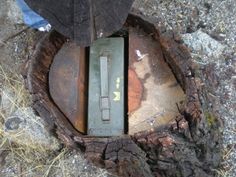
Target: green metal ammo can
106 88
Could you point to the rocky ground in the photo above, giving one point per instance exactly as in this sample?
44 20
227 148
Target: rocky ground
27 149
207 27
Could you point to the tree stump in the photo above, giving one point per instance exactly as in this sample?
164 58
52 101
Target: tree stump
188 146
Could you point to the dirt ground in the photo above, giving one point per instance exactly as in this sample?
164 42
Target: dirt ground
216 18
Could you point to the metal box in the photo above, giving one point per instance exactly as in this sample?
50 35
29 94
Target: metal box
106 88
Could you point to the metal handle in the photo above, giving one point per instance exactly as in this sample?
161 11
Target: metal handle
104 98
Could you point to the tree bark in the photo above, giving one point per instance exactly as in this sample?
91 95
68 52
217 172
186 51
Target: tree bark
186 147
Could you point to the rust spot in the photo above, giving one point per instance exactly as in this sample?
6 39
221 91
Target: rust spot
67 84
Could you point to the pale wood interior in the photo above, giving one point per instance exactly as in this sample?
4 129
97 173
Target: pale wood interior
161 91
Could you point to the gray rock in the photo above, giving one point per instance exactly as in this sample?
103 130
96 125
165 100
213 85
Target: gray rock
12 12
65 164
202 43
6 100
25 128
75 164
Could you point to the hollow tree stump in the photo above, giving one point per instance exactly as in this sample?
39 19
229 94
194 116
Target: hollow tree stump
187 146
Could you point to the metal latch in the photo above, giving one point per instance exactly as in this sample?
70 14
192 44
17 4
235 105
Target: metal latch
104 98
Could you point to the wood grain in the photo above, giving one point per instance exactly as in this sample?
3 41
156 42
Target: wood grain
185 147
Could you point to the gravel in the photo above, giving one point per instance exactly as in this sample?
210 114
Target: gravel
214 18
200 42
194 19
27 129
22 133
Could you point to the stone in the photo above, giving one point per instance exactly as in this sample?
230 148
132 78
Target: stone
128 155
202 43
25 128
14 13
7 97
73 163
10 12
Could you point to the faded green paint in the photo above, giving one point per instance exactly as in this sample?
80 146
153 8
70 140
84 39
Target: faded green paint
111 88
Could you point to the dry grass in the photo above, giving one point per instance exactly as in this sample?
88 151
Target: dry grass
20 98
29 160
14 83
226 169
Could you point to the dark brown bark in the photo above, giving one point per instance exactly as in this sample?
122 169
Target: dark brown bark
186 147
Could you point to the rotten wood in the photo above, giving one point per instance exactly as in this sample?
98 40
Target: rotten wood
159 92
185 147
135 91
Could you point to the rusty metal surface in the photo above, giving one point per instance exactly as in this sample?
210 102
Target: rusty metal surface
154 102
67 84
